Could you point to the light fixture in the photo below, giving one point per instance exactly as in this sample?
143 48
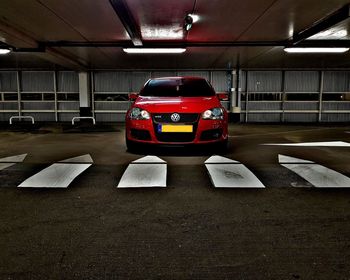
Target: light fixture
330 34
188 22
171 32
194 17
4 51
316 50
154 50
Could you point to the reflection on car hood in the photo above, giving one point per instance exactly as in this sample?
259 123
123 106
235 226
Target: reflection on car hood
177 104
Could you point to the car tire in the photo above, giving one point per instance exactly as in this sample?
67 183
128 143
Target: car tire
130 145
222 147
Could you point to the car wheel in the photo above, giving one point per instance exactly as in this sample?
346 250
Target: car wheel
130 145
222 147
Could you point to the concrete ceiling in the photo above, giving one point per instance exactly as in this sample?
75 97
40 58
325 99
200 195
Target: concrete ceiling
26 24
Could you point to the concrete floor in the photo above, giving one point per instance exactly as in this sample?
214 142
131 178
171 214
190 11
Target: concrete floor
189 230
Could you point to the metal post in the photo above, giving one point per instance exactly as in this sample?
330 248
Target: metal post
321 96
283 87
92 94
55 92
19 100
246 97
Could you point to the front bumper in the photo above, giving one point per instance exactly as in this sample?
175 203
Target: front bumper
204 132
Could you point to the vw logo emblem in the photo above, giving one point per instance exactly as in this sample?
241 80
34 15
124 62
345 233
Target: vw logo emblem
175 117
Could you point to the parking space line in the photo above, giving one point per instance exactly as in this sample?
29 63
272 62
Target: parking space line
312 144
318 175
146 172
227 173
282 132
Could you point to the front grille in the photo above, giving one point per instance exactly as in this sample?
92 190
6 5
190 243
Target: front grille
176 137
166 118
185 118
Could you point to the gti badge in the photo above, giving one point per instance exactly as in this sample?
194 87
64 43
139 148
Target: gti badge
175 117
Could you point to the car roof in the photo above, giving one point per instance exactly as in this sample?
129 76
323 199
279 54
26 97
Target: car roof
179 78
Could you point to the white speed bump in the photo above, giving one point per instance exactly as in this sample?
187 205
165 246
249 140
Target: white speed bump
228 173
57 175
10 161
318 175
80 159
5 165
146 172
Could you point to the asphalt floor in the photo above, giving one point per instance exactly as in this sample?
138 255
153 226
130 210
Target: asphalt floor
189 230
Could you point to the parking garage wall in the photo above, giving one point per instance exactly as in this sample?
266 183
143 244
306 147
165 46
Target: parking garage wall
45 95
54 95
266 96
111 89
295 96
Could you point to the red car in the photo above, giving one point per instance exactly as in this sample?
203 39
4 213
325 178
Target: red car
176 111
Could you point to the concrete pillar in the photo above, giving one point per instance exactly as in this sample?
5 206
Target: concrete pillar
235 96
233 89
84 94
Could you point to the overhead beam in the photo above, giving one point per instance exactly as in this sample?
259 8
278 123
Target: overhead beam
64 59
323 24
132 28
165 44
19 41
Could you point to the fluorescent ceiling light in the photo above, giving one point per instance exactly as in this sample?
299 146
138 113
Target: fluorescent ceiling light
194 17
330 34
316 50
166 32
4 51
154 50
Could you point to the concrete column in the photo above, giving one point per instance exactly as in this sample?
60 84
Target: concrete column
233 92
235 96
84 94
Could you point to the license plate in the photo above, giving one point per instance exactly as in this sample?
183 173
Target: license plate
174 128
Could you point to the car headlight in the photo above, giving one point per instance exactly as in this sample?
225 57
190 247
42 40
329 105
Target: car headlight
139 114
213 114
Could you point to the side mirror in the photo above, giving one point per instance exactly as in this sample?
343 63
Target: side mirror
133 96
223 96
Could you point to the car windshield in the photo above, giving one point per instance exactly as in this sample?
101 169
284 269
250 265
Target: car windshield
177 87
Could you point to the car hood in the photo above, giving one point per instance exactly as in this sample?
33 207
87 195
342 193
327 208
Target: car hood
177 104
